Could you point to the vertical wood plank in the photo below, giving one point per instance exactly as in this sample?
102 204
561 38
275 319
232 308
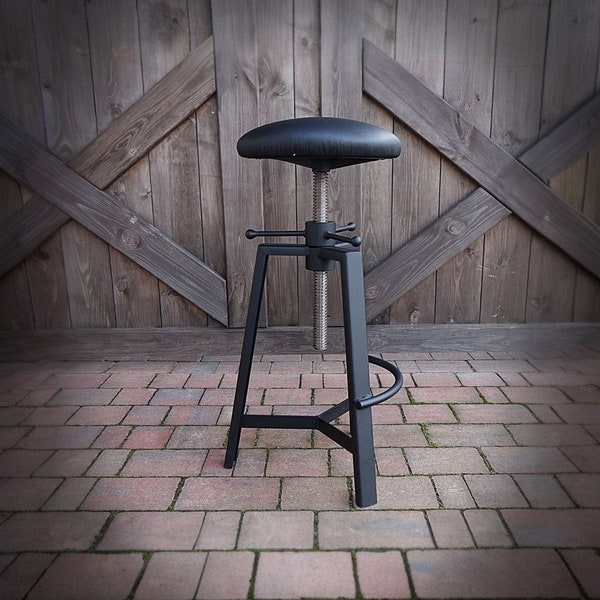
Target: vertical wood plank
19 96
64 61
36 290
237 85
569 79
307 97
341 96
275 55
116 65
518 83
420 34
470 46
165 41
376 219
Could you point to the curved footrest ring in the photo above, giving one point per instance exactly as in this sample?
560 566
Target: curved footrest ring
387 394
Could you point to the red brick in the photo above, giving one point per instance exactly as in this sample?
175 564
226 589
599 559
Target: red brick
495 491
210 380
193 415
108 463
584 488
145 415
449 529
453 491
22 573
536 395
298 463
164 463
501 366
112 437
67 463
132 493
494 573
585 458
528 460
410 492
277 530
22 463
89 576
226 576
445 395
428 413
128 380
382 575
229 493
487 528
50 531
555 528
70 494
296 396
435 380
99 415
469 435
551 435
159 581
170 380
585 565
9 436
219 531
54 438
50 415
152 531
134 396
390 461
83 397
543 491
585 414
315 493
26 494
479 379
331 575
437 461
373 529
168 397
214 464
74 381
251 462
192 436
494 413
148 436
398 436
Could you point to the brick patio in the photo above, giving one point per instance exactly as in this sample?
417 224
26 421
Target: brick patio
112 484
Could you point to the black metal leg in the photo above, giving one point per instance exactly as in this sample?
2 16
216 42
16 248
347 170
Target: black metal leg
357 361
241 390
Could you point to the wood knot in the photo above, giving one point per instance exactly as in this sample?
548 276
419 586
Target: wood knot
122 284
130 238
455 227
372 292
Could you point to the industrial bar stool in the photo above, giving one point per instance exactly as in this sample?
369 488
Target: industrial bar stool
321 144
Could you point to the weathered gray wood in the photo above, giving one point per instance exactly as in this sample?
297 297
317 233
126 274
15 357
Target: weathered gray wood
341 96
126 140
237 81
420 48
543 340
377 180
307 98
468 83
275 51
518 83
115 54
570 78
21 157
63 54
493 168
378 275
458 228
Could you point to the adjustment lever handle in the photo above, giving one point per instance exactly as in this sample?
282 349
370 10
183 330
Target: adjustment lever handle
348 227
356 241
251 233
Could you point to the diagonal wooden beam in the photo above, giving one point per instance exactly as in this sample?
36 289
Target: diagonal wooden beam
435 245
182 91
25 160
397 274
502 175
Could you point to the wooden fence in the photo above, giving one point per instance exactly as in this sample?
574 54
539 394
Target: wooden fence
124 201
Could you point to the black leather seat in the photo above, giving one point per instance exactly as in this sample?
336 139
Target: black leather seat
320 143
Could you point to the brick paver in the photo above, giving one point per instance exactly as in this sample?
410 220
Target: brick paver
112 482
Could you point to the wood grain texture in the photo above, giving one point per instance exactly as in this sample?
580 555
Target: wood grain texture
124 142
518 84
473 152
237 81
21 157
420 48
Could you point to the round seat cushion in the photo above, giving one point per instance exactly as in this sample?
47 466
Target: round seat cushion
321 143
